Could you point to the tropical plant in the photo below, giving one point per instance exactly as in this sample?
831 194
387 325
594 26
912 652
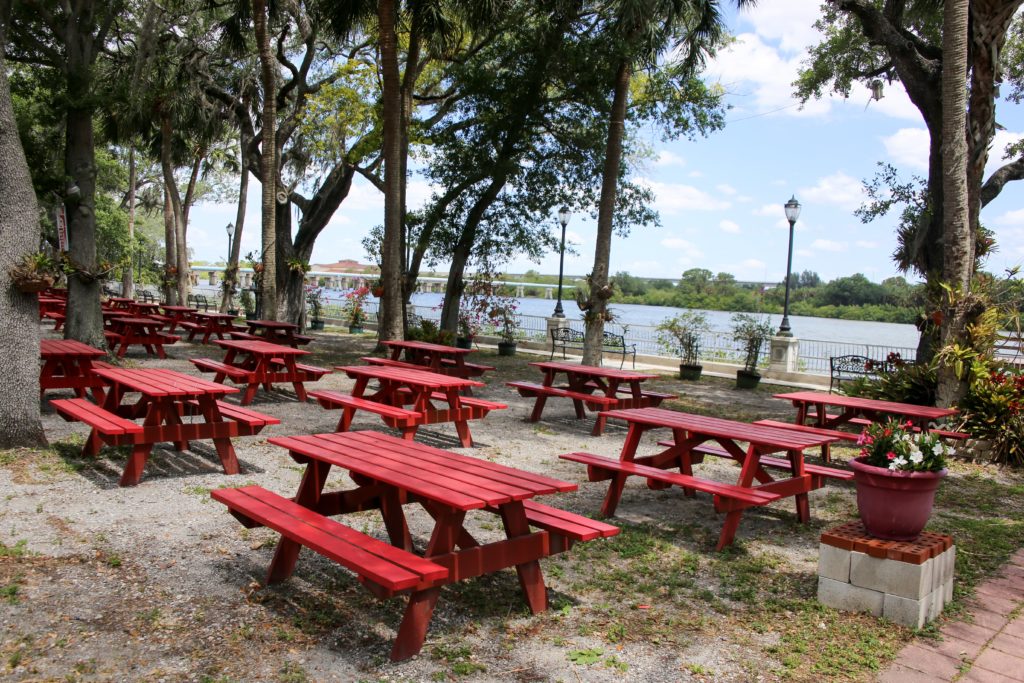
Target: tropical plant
314 300
897 381
994 410
355 306
430 331
897 447
34 269
681 334
247 302
503 316
752 333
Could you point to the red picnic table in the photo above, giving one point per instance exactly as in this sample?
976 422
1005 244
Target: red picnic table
432 398
274 331
68 364
175 315
143 308
448 360
690 432
590 386
52 308
258 362
209 323
126 331
811 408
120 302
388 473
166 398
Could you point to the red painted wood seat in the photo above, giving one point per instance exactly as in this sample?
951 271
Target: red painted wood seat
392 569
239 375
336 399
594 401
103 421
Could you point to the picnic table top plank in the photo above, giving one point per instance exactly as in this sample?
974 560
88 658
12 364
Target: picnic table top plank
260 348
67 347
592 370
271 324
213 315
716 427
179 309
427 346
157 382
422 378
856 402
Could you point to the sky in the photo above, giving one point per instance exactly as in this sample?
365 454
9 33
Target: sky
721 198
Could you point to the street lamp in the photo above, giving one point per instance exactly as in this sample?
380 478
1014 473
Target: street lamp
231 233
792 213
563 218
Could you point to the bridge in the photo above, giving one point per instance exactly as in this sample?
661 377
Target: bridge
214 274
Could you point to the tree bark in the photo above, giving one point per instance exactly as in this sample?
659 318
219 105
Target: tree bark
170 252
599 288
390 323
268 159
231 271
958 252
171 185
20 424
128 277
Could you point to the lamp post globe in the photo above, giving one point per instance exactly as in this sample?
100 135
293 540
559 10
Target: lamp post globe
792 214
563 218
230 228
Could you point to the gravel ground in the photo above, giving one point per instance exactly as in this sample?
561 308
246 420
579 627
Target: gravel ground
158 582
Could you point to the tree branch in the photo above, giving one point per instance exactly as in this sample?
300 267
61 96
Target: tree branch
995 183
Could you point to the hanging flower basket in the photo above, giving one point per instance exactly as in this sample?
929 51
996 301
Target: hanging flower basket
33 285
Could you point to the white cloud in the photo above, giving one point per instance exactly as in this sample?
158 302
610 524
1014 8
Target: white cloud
695 174
999 143
895 102
750 269
789 23
671 198
728 226
1015 217
908 147
866 244
838 189
726 189
769 210
829 245
667 158
807 253
679 243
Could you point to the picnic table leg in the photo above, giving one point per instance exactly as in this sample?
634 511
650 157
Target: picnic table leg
413 629
140 451
394 520
225 449
618 481
531 579
728 535
160 353
538 408
172 419
465 438
300 391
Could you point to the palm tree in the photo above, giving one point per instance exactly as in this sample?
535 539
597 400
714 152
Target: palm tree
640 31
268 157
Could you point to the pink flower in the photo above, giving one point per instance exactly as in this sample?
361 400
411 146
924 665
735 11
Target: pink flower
890 455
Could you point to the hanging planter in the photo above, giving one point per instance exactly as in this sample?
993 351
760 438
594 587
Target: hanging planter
33 273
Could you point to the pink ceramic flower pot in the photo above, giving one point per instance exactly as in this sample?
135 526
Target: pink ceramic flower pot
894 506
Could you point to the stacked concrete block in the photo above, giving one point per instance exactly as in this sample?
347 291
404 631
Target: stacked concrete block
907 582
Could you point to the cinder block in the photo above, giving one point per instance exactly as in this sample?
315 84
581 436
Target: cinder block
906 580
937 598
948 590
833 563
850 598
908 612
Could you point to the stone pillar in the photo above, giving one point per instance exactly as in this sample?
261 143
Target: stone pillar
785 355
213 278
555 324
547 293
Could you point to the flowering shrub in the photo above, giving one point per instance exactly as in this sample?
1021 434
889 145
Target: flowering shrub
895 446
503 317
994 409
314 299
355 305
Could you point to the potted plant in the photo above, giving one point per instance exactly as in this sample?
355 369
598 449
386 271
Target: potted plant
248 303
681 335
468 327
355 309
314 300
503 317
752 334
896 476
230 288
377 288
34 272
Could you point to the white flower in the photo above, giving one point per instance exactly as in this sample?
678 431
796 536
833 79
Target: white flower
916 457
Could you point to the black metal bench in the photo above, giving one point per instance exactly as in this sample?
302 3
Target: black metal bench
199 301
852 367
568 338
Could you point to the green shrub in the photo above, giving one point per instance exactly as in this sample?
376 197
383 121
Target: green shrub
992 410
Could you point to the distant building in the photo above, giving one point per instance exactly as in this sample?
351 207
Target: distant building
344 266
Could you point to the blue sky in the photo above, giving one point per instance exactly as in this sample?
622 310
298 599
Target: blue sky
720 198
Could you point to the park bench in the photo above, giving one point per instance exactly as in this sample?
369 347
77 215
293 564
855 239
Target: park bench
1009 349
145 296
391 569
851 367
565 338
199 301
817 471
727 496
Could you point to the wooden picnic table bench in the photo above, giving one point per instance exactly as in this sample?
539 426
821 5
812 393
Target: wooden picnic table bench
176 315
260 363
68 364
590 387
166 398
448 360
812 408
431 398
754 485
390 473
277 332
125 332
209 324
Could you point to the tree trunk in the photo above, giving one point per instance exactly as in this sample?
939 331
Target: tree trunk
599 291
390 323
170 252
128 277
184 266
958 254
268 159
20 424
231 271
180 249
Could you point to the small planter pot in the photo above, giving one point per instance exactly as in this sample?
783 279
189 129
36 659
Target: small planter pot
506 348
232 311
690 372
894 506
355 329
745 379
377 292
33 286
250 316
464 342
316 324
